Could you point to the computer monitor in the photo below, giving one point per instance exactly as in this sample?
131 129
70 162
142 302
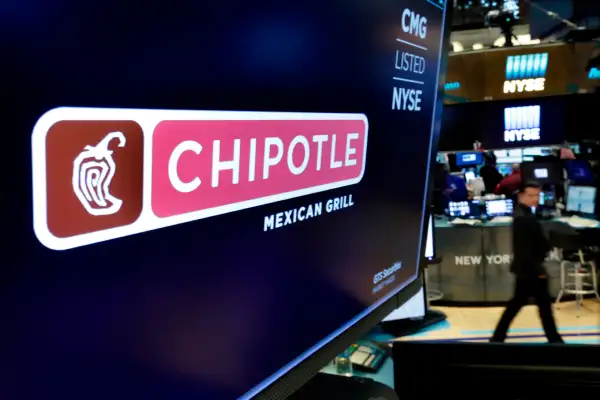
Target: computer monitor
579 172
546 173
464 209
469 158
547 199
193 213
499 208
581 199
505 169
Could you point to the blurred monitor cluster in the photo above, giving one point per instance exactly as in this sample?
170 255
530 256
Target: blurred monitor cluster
470 14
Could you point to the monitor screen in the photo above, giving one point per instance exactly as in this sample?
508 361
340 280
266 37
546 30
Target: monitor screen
498 208
546 173
540 173
206 194
469 209
581 199
504 169
579 172
547 198
470 158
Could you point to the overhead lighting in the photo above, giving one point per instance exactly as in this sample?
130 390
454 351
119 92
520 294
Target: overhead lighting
457 47
477 46
526 39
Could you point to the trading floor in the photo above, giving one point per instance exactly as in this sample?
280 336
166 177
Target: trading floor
580 326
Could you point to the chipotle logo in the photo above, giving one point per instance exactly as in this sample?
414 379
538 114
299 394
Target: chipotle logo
94 172
101 174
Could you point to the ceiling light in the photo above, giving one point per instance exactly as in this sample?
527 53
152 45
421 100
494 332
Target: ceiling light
457 47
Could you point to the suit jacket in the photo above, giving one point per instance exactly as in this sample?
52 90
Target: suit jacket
530 246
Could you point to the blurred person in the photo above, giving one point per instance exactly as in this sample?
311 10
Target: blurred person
490 175
448 187
566 153
530 248
510 184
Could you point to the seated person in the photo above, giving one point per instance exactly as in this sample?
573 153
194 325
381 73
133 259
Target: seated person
509 185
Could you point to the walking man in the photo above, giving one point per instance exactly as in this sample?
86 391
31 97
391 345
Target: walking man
530 247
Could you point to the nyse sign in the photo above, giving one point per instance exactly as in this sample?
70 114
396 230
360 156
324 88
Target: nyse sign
525 85
525 73
522 124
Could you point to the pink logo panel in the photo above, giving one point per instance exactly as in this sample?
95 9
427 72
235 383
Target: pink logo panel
199 165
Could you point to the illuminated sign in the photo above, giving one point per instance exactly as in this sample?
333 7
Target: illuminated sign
469 157
452 86
521 124
594 73
525 73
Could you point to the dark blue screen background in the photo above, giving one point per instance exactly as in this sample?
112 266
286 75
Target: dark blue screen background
208 309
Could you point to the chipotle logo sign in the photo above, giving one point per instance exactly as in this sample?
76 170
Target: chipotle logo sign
101 174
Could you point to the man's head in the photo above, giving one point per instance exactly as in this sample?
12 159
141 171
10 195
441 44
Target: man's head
490 159
529 193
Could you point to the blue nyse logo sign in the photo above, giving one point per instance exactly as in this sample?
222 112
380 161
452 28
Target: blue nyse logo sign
594 73
522 124
525 73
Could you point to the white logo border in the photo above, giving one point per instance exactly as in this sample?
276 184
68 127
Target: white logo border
148 119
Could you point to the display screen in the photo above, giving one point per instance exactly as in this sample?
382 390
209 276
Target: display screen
471 158
579 172
505 124
505 169
581 199
205 194
497 208
544 172
470 208
547 198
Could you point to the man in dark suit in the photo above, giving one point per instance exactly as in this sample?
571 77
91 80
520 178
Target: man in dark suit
530 248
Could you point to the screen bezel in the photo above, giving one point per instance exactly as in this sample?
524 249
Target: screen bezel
294 379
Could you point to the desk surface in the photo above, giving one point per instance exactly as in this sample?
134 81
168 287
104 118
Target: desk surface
443 222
